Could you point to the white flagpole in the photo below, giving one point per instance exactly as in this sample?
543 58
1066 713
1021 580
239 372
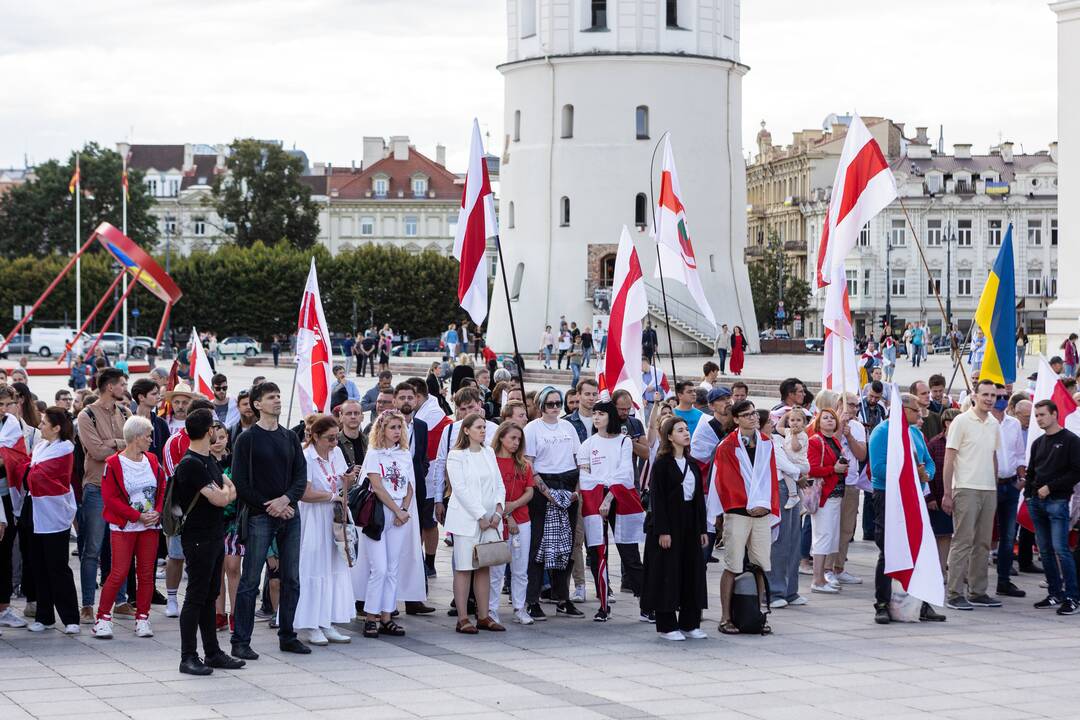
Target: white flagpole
78 241
124 322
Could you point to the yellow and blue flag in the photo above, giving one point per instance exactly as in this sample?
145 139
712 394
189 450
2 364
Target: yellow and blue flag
996 317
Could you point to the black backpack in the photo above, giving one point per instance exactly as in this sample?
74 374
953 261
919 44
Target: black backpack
748 613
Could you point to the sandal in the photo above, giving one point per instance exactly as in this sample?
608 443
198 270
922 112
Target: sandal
490 625
728 628
766 630
391 628
371 629
465 627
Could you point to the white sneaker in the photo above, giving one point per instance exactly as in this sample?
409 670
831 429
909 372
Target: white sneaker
159 574
522 616
830 577
778 603
102 629
73 629
696 634
799 600
37 627
172 608
579 594
826 588
846 578
143 629
805 569
674 636
334 636
791 502
316 637
9 618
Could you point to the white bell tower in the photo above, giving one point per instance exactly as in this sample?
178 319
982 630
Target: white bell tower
591 87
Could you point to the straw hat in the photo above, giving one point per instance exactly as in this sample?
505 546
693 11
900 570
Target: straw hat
182 389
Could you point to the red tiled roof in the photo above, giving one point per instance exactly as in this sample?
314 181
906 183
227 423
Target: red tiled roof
356 186
158 157
202 173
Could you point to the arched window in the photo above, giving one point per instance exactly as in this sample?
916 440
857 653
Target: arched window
567 121
641 209
515 286
607 271
510 215
517 125
564 211
641 122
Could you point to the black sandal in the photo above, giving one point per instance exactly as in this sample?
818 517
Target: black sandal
371 629
391 628
728 628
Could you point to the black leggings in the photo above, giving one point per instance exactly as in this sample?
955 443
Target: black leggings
55 582
632 570
7 545
560 579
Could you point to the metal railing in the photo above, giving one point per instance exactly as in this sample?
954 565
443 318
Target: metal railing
681 312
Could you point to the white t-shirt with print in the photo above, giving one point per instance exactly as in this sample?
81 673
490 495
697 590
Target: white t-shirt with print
141 488
554 446
394 466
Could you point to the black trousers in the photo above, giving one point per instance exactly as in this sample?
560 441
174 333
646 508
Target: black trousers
1025 552
55 581
7 546
882 582
560 579
204 560
25 529
685 619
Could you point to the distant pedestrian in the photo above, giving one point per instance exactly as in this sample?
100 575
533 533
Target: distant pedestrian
723 346
738 348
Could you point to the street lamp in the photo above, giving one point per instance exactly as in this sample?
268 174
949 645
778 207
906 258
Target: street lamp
949 236
888 282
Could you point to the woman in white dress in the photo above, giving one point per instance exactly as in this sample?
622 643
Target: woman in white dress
326 593
390 567
473 514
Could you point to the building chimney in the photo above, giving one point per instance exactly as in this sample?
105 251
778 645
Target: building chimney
219 161
1054 151
399 144
1007 152
374 150
920 135
900 127
189 158
961 151
440 154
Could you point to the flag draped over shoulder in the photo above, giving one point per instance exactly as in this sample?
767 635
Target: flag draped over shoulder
15 458
313 352
621 368
911 555
476 223
201 374
675 251
996 317
49 483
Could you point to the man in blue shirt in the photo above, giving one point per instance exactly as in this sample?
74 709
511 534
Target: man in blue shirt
879 454
686 394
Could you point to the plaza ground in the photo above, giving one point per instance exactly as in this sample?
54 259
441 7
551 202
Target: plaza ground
825 660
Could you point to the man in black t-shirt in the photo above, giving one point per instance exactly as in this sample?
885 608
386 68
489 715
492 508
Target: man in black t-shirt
201 487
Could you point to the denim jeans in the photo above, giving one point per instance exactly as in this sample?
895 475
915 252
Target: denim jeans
1008 496
721 353
1051 519
586 355
575 368
784 575
93 530
261 530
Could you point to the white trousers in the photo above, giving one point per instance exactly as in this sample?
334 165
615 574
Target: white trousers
519 572
384 557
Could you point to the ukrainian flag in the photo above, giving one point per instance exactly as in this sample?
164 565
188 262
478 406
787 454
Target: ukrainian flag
996 317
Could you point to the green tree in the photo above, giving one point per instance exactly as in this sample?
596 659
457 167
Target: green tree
261 197
38 218
767 276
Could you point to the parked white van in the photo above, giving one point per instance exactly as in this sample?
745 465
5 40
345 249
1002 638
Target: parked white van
49 342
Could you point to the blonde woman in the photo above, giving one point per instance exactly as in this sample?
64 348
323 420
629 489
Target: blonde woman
326 593
517 477
473 514
390 565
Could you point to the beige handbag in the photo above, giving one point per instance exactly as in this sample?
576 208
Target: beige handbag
491 553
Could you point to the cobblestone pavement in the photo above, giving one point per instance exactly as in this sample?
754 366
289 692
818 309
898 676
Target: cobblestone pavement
825 660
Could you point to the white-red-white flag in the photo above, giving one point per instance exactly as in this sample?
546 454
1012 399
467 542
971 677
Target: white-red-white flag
476 223
839 362
49 482
201 374
15 458
675 251
314 374
911 555
863 187
629 304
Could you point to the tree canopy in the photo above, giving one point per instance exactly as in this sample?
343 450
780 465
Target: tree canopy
768 276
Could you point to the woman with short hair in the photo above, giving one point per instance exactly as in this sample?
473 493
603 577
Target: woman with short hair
828 463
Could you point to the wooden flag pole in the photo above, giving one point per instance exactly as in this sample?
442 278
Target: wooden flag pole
659 265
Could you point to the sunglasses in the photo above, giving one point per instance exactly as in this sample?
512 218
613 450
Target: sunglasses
221 387
553 405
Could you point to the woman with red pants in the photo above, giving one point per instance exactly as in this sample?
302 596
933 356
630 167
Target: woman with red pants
133 490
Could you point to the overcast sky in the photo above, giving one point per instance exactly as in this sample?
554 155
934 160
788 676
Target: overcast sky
321 74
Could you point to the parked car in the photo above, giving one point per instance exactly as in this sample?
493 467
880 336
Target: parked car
239 345
19 345
814 344
427 344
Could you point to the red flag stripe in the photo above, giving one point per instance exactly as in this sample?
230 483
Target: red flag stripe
668 198
615 357
867 163
474 244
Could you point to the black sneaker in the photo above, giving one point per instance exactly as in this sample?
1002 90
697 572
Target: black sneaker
545 596
600 616
568 609
536 612
648 617
223 661
959 603
195 666
1047 603
244 652
929 614
1069 607
881 615
1010 590
984 601
713 559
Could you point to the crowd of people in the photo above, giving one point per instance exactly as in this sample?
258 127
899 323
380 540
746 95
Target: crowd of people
335 522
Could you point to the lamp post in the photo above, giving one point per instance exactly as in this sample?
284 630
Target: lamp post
888 282
948 276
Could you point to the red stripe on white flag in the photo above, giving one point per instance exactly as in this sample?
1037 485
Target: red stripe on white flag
476 223
201 374
622 363
313 353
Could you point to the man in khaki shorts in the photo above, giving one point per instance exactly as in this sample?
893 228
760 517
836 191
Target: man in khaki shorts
744 474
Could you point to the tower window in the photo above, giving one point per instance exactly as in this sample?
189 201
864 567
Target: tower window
527 18
567 121
598 15
641 122
510 214
564 211
641 206
517 125
672 13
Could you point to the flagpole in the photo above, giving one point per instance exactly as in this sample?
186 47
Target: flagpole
518 361
659 265
292 393
78 255
124 322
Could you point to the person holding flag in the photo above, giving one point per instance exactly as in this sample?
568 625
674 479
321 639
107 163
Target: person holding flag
896 462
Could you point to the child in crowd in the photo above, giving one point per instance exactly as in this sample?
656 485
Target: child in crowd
793 427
